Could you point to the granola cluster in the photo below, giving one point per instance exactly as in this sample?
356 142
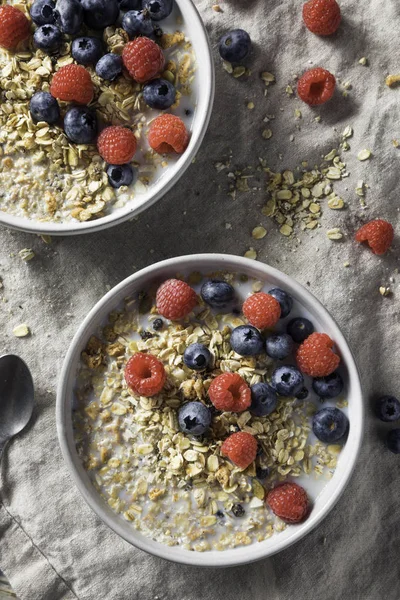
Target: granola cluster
176 488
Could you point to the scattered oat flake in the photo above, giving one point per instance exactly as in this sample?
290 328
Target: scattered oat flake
392 80
251 253
227 66
331 155
286 230
363 61
217 8
267 77
360 188
26 254
21 330
46 238
384 290
258 233
267 134
348 132
250 105
346 264
297 113
334 234
364 154
335 203
395 143
239 71
289 90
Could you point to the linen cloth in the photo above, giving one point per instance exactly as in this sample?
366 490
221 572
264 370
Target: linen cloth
52 546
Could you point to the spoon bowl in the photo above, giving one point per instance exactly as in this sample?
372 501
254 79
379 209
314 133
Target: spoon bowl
16 397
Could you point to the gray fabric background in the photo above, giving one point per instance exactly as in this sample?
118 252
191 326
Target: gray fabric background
52 546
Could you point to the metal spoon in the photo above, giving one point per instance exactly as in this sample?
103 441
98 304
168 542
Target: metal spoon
16 397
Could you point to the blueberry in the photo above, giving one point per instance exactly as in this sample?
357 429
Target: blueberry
99 14
87 50
194 418
328 387
387 408
146 335
300 329
158 324
279 346
330 425
302 394
197 357
42 12
119 175
159 94
44 107
158 9
69 16
138 22
238 510
263 399
235 45
130 4
80 125
393 441
47 38
284 300
287 380
262 473
216 293
109 66
246 340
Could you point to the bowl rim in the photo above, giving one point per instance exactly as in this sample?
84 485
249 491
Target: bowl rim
255 551
172 175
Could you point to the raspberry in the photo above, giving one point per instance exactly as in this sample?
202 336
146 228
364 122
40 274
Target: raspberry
117 145
143 58
145 374
315 356
322 16
379 235
168 134
230 392
262 310
175 299
316 86
240 448
289 502
14 27
72 83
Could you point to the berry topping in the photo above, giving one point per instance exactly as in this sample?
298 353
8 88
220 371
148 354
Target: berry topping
143 59
262 310
87 50
44 107
158 9
14 27
285 301
387 408
322 16
246 340
99 14
299 329
330 425
69 16
197 357
230 392
145 374
130 4
138 22
262 473
238 510
289 502
263 399
235 45
48 38
240 448
80 125
117 145
287 380
316 86
328 387
109 66
42 12
175 299
315 356
72 83
119 175
168 134
378 234
279 346
217 294
393 441
302 394
159 94
194 418
158 324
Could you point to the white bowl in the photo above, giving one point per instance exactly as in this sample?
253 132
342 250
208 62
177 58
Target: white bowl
323 322
203 96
